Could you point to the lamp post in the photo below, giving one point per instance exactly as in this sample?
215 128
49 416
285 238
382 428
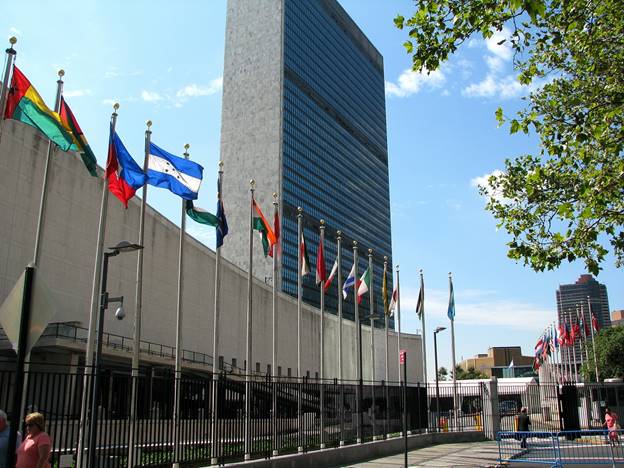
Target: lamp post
435 353
122 247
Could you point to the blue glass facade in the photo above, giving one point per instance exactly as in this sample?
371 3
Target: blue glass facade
334 157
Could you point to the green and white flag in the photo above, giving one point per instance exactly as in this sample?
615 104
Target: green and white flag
200 215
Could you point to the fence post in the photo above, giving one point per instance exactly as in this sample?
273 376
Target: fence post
491 413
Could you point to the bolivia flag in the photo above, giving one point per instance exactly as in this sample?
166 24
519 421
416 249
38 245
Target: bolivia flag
70 122
25 104
261 224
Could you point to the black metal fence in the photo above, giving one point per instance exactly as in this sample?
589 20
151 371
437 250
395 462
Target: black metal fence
284 416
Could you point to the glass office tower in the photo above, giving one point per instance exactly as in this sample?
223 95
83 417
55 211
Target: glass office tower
322 148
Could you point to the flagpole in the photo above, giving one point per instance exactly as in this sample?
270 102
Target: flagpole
386 312
215 337
453 358
178 354
252 185
299 300
138 303
358 344
574 350
7 75
274 354
591 327
322 344
372 334
422 321
339 288
93 318
398 307
46 170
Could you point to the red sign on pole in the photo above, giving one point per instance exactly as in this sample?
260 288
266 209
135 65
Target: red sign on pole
402 356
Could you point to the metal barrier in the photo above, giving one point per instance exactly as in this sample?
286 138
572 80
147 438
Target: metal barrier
562 448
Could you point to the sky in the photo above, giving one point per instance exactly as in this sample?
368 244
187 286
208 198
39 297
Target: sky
163 61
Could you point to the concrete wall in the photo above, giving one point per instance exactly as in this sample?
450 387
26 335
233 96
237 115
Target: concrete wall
67 262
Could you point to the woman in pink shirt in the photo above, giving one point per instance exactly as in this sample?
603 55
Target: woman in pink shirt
35 450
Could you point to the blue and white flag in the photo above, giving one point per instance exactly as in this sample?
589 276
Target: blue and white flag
451 306
177 174
348 284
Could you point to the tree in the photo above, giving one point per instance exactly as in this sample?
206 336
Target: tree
442 373
609 344
565 202
470 374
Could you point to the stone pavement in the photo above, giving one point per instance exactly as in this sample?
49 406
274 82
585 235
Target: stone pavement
472 454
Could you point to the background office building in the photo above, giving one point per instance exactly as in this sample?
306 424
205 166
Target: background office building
573 297
304 115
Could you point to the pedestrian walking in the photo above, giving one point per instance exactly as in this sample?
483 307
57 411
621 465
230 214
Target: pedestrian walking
524 422
612 425
4 439
36 447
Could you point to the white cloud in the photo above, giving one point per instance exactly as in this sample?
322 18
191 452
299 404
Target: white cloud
505 87
151 96
109 102
194 90
494 63
77 93
503 50
482 181
475 307
14 31
411 82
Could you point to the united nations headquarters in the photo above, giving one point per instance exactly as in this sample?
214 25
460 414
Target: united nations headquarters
270 328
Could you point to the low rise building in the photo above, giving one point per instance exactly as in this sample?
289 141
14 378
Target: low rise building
501 361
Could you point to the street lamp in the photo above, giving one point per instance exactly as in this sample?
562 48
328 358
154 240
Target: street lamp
121 247
435 352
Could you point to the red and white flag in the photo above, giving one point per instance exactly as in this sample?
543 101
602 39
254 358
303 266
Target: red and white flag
321 273
332 273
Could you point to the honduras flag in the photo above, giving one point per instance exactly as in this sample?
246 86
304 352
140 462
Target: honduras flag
177 174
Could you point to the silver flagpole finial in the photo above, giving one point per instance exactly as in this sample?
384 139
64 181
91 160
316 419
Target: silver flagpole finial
420 271
385 258
116 107
299 211
338 234
450 274
322 222
354 244
12 41
61 73
252 185
220 166
149 125
397 268
275 198
370 252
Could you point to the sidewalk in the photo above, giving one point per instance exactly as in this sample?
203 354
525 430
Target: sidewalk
472 454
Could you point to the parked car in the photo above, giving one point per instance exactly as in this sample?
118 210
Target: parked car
508 407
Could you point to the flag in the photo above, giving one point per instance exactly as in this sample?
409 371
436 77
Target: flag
539 347
305 261
595 324
321 272
568 334
123 174
222 227
393 300
420 302
349 282
555 337
179 175
261 224
80 141
576 332
332 273
451 306
563 334
511 364
384 290
276 231
26 105
204 217
363 285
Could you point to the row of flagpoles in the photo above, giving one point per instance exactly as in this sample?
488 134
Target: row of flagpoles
19 100
557 345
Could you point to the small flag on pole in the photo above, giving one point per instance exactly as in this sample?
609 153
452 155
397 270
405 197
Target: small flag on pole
83 148
321 272
262 225
179 175
122 172
384 289
349 282
451 306
393 300
332 273
420 303
363 285
305 261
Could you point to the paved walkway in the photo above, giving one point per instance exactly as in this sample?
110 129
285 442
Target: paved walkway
473 454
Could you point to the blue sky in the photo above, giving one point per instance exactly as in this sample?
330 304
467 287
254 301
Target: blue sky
163 61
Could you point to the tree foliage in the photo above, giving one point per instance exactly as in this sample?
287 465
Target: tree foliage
470 374
609 344
442 373
566 201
